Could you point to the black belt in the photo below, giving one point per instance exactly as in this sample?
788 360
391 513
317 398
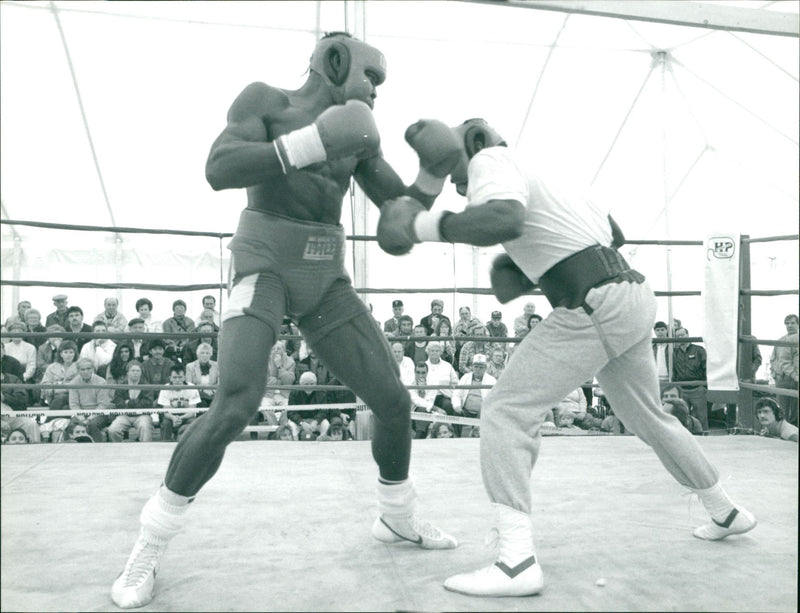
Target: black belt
567 283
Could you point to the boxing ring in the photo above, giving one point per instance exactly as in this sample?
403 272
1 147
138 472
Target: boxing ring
285 526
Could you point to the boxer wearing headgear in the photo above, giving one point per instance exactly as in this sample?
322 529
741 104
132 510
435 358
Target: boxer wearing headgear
295 152
600 326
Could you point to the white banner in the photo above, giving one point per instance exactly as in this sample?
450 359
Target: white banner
721 309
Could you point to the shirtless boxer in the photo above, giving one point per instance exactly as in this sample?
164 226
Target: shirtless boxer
600 326
295 153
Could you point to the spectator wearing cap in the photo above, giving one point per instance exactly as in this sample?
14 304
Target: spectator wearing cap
662 353
75 324
495 326
144 307
156 369
177 324
114 320
33 322
468 402
139 345
391 325
521 322
22 351
770 416
472 348
59 316
22 308
431 321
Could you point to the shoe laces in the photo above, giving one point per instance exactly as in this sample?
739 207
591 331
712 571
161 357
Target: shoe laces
424 528
142 562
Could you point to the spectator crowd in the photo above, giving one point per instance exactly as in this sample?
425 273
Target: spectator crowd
448 367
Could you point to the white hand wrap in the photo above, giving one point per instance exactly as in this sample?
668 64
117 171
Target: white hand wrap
426 226
301 148
429 184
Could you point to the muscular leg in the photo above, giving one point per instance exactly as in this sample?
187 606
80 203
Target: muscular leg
357 353
631 384
244 347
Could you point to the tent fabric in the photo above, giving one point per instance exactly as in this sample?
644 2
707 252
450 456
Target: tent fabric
108 111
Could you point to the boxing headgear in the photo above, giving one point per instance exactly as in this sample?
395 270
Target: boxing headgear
769 402
476 134
344 62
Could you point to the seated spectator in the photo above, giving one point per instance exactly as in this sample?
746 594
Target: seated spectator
19 316
145 310
117 369
405 326
84 398
564 417
203 371
156 369
177 396
306 421
770 415
16 399
495 326
75 324
63 370
392 325
281 369
283 433
422 400
311 363
575 403
405 364
209 305
177 324
59 316
435 318
441 373
521 322
48 352
132 398
99 350
468 402
443 328
497 363
209 316
678 408
33 322
337 431
23 352
416 348
10 365
465 326
114 320
141 350
17 436
291 345
190 348
77 433
441 430
471 348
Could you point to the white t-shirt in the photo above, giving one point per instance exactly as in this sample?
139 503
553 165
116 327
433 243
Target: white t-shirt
556 224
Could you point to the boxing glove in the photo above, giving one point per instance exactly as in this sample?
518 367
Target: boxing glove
340 131
405 222
508 280
439 152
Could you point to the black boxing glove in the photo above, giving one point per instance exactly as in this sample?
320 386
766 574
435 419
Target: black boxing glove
508 280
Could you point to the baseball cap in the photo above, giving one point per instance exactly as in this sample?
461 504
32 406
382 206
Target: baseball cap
479 358
497 315
397 303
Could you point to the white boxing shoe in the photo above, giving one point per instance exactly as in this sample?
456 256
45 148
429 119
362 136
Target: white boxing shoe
395 529
135 587
524 579
738 521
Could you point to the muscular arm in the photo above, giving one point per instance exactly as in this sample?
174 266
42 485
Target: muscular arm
380 183
496 221
241 155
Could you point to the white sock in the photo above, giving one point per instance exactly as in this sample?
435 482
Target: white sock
162 515
396 497
716 502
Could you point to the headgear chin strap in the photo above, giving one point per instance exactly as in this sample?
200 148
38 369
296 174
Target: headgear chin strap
343 63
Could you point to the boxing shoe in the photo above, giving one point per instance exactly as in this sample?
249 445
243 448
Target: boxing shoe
516 571
397 521
395 529
135 587
160 521
738 521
